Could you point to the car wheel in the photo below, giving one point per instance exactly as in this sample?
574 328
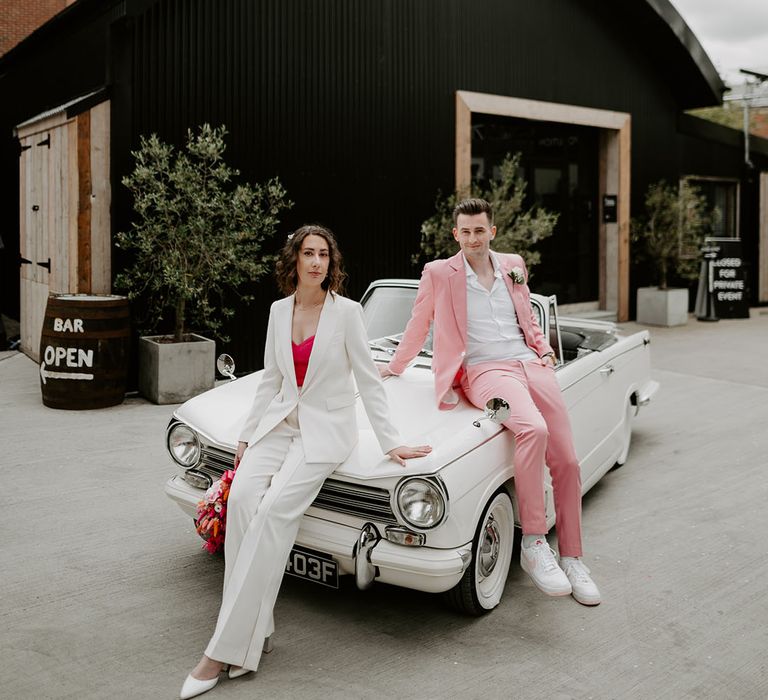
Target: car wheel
629 412
482 584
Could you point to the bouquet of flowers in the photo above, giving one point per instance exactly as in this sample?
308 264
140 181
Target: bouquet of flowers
211 521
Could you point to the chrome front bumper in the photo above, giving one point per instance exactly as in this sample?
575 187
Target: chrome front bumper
361 551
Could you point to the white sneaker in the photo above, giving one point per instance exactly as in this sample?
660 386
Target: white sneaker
538 561
584 588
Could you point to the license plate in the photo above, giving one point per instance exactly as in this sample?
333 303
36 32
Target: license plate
313 566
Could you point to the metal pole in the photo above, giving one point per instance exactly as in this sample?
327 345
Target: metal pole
705 310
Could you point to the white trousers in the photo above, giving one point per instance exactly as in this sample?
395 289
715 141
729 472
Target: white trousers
272 488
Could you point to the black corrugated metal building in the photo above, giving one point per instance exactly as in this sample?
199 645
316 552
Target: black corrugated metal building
366 108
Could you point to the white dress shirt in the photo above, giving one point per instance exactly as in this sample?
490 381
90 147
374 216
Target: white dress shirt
493 334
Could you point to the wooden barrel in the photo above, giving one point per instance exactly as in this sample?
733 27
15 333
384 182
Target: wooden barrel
84 351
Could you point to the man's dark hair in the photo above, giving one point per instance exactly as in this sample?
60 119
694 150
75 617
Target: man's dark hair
472 206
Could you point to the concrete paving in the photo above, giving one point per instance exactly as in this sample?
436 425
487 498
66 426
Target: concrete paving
105 592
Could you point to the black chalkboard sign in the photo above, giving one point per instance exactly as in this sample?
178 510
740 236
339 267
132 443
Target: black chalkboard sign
729 283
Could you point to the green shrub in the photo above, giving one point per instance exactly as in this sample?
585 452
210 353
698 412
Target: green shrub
671 230
196 233
518 230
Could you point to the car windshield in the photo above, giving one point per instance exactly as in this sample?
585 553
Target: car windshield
387 310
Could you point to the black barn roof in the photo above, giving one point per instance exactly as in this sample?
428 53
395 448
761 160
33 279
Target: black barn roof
691 44
675 48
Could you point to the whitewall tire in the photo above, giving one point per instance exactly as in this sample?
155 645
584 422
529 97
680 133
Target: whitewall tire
482 585
629 413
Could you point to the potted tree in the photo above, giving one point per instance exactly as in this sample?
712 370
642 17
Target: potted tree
519 229
669 234
196 235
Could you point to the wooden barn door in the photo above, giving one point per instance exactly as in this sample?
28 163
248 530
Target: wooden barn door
34 245
64 212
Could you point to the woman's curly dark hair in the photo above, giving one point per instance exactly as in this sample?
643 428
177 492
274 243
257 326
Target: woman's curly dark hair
285 269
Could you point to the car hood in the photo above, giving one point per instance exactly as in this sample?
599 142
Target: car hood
218 414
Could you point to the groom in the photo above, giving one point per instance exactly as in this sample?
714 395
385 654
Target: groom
488 342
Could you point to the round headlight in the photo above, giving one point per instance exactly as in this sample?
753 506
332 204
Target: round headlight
421 503
184 445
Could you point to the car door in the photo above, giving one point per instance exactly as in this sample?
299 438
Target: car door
595 401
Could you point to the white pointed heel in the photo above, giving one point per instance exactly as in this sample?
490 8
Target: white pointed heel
194 686
237 671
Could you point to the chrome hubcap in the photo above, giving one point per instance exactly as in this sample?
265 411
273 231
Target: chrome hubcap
489 547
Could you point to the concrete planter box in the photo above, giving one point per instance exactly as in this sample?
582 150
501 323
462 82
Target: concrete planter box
662 307
174 372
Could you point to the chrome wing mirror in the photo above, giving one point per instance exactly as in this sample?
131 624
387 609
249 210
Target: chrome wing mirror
226 366
496 411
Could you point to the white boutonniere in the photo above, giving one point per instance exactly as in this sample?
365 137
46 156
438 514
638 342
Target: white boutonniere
517 275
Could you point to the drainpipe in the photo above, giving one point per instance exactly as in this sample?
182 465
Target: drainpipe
748 95
746 135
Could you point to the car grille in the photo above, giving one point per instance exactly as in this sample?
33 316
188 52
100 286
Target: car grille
216 461
367 502
353 499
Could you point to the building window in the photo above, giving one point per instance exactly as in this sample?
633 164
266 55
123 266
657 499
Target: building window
723 195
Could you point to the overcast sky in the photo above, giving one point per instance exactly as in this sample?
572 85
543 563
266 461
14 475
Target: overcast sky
734 33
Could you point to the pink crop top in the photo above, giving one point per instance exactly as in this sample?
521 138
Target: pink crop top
301 353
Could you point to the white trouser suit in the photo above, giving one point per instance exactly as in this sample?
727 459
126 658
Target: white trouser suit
295 440
273 487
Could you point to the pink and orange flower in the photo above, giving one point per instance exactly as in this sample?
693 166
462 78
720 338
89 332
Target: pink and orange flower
211 520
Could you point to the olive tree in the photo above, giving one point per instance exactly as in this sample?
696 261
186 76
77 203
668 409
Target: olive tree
518 229
671 230
196 232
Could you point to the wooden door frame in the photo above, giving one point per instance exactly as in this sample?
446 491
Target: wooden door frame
762 254
614 174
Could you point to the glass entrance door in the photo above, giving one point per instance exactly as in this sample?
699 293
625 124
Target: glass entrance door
560 165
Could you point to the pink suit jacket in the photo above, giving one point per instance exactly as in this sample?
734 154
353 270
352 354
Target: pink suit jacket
442 298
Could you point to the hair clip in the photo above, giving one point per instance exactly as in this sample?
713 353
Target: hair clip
290 235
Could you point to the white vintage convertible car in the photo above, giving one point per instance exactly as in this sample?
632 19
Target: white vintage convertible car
446 522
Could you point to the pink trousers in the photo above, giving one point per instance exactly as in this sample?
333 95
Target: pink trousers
542 429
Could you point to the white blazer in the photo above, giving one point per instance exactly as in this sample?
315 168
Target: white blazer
326 401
